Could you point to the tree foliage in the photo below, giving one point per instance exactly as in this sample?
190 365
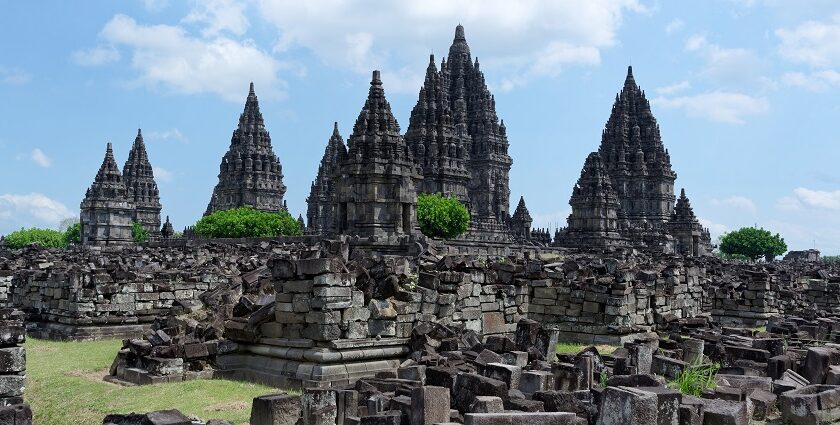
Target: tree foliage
139 233
752 243
73 234
246 222
441 217
47 238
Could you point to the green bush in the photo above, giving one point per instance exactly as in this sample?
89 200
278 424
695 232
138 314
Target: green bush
246 222
752 243
138 233
830 258
73 234
47 238
441 217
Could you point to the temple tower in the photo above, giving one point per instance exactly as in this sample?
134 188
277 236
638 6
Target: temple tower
439 146
377 194
691 238
520 222
250 173
638 164
474 107
320 212
141 186
594 217
107 209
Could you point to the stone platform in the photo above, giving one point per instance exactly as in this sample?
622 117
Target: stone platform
279 363
65 332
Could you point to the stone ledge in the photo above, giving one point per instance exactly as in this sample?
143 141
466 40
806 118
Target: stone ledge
64 332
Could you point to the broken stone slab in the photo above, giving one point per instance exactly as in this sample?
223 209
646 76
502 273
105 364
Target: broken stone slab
469 385
811 405
161 417
16 414
524 418
275 409
487 404
429 405
627 406
319 406
817 362
505 373
790 381
725 412
12 359
746 384
645 380
533 381
668 367
668 404
762 404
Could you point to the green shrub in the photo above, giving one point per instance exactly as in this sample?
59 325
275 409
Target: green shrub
246 222
441 217
138 233
47 238
694 379
73 234
752 243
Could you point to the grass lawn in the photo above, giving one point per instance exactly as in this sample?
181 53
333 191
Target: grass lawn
574 348
64 386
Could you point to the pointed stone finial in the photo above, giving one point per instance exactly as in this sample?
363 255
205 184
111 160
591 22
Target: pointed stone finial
335 128
139 133
682 193
109 150
459 33
431 58
375 80
251 89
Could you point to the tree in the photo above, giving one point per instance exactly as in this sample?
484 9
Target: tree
47 238
752 243
73 234
441 217
138 233
246 222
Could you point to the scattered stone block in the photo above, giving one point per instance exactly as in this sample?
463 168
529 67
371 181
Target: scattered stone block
276 409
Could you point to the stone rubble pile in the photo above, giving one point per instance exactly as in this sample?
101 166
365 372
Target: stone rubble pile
13 410
183 345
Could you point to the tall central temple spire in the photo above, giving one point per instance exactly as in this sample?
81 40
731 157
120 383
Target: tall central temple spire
107 210
250 173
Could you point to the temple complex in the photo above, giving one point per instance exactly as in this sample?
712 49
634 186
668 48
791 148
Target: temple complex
250 173
141 187
107 209
456 139
625 195
376 191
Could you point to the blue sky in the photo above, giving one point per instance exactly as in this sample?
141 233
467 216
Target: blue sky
745 92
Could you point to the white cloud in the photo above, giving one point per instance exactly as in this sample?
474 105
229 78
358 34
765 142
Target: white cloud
674 26
166 135
727 65
167 56
829 200
788 203
812 42
40 158
715 229
163 174
13 76
29 210
717 106
673 88
96 56
518 40
737 202
817 81
219 16
155 5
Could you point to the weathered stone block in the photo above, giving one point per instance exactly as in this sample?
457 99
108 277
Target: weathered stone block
627 406
275 409
429 405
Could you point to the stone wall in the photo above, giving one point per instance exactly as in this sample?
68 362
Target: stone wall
93 293
606 300
336 321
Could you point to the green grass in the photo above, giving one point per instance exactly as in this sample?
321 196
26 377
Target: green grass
693 380
574 348
64 386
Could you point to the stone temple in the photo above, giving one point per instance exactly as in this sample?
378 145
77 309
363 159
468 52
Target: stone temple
141 186
454 137
625 194
250 173
107 210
